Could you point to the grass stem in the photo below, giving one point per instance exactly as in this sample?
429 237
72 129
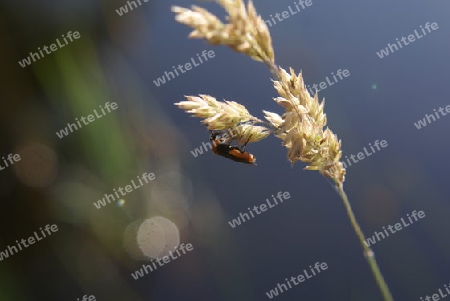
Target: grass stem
368 253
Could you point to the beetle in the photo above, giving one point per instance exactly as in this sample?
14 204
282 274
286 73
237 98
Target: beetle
221 146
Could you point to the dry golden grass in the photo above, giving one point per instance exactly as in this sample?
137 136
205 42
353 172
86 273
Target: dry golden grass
301 127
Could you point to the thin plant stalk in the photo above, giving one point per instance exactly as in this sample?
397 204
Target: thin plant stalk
301 127
368 253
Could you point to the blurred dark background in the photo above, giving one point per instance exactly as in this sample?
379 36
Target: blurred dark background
117 59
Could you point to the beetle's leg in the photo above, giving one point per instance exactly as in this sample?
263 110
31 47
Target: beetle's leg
245 144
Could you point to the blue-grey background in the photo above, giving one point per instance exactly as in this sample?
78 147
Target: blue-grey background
117 59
